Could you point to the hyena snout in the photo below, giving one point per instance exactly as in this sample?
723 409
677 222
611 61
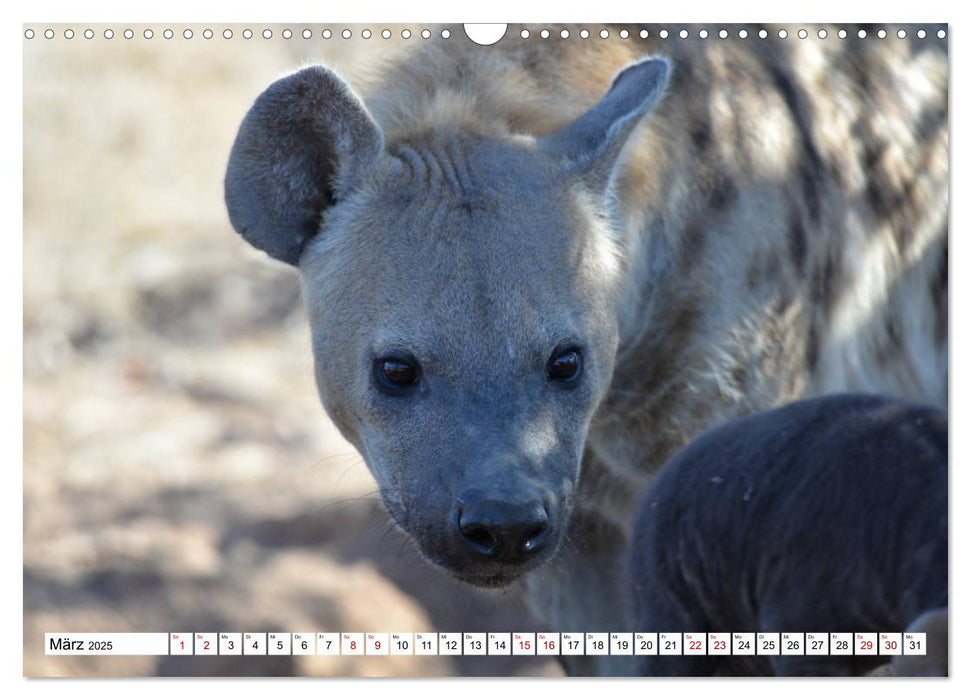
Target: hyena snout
493 528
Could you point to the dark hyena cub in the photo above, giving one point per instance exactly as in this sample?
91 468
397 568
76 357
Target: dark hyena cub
826 515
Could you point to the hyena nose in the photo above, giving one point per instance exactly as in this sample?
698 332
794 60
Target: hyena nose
502 530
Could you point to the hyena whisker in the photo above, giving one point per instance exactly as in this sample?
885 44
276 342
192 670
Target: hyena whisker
357 464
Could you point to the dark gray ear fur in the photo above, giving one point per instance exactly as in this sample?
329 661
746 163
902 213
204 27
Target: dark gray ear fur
590 144
301 147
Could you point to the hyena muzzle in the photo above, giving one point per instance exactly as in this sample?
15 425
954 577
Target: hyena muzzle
532 271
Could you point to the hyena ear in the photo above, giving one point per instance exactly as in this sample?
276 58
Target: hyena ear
590 144
302 146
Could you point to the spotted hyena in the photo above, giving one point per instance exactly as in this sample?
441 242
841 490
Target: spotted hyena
534 270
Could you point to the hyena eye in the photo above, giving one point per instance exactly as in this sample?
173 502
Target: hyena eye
396 375
565 366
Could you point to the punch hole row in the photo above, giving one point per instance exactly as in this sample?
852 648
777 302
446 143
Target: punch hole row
446 34
725 34
245 34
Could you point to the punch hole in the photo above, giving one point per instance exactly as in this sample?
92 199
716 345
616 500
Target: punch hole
346 34
486 34
109 34
287 34
584 34
426 34
168 34
882 33
604 33
901 33
941 34
524 34
703 34
663 33
366 33
921 33
446 34
683 34
89 33
29 34
306 34
129 34
148 34
783 34
405 33
187 34
326 34
564 33
68 33
49 34
803 34
763 33
267 34
643 34
841 33
723 34
743 34
207 34
385 33
861 33
822 34
544 34
227 33
624 33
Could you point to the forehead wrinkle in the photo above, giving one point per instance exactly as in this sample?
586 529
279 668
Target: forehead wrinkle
466 162
465 176
434 198
418 173
446 159
438 165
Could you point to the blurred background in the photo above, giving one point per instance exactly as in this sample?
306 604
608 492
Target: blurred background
180 474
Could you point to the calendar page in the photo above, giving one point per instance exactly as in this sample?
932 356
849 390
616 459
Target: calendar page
416 349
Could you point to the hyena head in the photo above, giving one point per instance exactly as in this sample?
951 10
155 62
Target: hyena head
461 288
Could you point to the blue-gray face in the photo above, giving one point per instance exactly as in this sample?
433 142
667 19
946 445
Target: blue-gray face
461 293
462 308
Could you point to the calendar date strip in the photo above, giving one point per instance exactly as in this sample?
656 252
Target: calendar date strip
485 644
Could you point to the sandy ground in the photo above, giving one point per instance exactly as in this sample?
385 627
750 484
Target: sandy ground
179 472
